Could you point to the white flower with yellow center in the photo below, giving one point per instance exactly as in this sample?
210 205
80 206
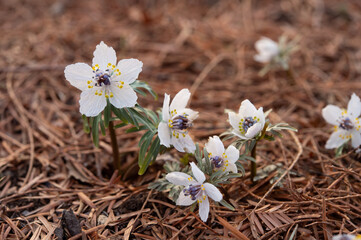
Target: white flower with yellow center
346 123
346 237
221 158
267 50
195 190
104 80
177 119
248 122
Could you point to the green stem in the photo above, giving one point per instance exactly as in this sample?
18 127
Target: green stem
114 142
253 163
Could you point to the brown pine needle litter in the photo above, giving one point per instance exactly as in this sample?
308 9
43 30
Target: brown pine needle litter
54 184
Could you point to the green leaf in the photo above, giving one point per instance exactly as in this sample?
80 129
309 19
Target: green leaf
130 116
250 158
276 134
208 164
339 150
95 130
216 175
281 126
102 127
144 146
145 136
118 113
198 155
152 115
107 114
139 84
136 129
120 125
227 205
151 155
86 127
240 168
142 119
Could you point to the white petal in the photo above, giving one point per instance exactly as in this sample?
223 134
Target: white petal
78 74
180 178
262 58
177 144
197 173
129 70
267 46
234 120
260 115
123 97
232 167
191 115
165 110
331 114
354 106
215 146
344 237
254 130
183 144
189 145
180 100
184 200
204 209
247 109
336 139
356 139
90 104
240 135
213 192
164 134
104 55
232 154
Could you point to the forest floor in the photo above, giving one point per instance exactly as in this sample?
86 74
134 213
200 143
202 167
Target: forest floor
48 165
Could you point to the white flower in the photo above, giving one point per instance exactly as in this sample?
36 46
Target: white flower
220 158
177 119
104 80
346 237
195 190
346 123
267 49
248 122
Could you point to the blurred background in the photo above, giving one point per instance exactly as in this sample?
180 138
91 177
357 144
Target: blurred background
206 46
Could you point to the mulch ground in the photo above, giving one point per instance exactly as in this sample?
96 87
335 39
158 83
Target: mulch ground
56 183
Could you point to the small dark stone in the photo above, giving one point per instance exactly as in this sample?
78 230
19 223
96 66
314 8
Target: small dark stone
71 222
59 233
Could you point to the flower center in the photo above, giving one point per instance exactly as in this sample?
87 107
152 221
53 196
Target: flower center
217 161
102 78
346 124
192 191
247 123
181 122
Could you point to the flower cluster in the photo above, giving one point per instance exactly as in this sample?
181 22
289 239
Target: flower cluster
109 88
